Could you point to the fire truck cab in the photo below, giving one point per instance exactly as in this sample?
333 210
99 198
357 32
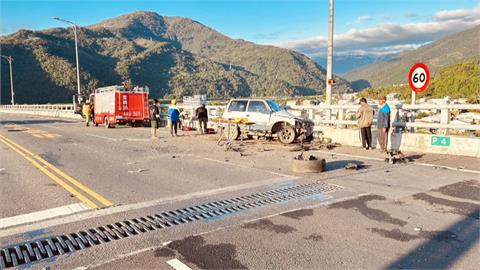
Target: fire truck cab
117 105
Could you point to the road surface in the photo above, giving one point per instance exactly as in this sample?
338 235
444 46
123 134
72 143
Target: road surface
60 178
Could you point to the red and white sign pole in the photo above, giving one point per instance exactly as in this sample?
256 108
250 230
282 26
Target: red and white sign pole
418 79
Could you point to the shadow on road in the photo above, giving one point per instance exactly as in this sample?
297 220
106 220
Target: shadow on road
439 252
340 164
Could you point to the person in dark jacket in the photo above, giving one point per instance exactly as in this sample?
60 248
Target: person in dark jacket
202 116
154 118
383 123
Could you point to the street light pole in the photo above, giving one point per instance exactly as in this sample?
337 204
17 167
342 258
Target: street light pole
76 52
10 60
329 79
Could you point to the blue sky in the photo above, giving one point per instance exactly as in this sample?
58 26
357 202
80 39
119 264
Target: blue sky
292 24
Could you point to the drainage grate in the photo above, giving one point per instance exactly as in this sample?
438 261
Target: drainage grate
50 247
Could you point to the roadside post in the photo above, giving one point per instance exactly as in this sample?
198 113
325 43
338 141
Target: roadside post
419 80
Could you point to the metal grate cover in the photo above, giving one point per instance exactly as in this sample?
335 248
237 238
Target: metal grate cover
44 249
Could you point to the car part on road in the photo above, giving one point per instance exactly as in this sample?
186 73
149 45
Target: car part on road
307 164
351 166
45 249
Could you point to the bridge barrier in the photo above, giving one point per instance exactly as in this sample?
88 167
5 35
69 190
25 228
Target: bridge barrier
335 122
406 133
51 110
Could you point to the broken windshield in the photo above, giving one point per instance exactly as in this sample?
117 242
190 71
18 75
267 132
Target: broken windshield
274 105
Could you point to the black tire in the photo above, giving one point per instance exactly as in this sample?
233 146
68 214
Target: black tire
287 134
308 166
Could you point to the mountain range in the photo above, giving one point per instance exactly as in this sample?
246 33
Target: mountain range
174 56
449 50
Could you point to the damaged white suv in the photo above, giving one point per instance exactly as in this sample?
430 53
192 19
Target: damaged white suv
269 119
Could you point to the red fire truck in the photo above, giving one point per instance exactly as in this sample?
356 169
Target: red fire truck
118 105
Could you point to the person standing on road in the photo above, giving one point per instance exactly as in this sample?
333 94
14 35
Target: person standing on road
365 120
383 123
173 114
202 116
86 112
154 118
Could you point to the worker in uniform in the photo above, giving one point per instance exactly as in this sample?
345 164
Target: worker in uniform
202 116
86 112
173 115
154 118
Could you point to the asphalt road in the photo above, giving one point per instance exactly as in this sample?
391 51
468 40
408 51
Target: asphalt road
58 177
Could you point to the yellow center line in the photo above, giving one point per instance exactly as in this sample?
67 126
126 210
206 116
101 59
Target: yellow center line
59 181
87 190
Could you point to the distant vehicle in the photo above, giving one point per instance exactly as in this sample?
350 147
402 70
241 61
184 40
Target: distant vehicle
269 119
117 105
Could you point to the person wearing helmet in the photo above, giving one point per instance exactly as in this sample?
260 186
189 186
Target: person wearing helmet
173 115
86 112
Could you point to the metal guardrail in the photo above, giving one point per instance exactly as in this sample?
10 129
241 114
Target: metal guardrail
321 114
335 115
40 107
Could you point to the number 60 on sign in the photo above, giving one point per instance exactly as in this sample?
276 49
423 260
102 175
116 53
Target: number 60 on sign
419 77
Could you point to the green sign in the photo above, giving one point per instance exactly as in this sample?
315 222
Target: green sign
440 141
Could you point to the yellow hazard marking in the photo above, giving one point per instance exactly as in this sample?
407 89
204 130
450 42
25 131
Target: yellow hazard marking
38 133
33 158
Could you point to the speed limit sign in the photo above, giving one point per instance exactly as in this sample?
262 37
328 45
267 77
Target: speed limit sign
419 77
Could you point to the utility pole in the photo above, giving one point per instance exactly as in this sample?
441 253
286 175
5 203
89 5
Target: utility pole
76 52
10 60
329 79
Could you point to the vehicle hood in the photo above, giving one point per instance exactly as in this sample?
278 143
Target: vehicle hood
285 114
288 115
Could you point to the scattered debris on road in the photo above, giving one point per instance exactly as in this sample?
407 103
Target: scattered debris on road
351 166
395 156
138 171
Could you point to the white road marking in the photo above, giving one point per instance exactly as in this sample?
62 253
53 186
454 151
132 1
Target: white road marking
178 265
42 215
413 163
243 166
101 137
134 206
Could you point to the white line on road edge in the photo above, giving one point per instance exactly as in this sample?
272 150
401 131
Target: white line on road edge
135 206
413 163
178 265
102 137
42 215
243 166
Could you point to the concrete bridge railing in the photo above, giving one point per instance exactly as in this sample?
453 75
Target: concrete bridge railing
52 110
336 122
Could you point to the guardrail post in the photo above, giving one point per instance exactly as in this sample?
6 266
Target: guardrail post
328 114
444 119
341 116
412 120
311 114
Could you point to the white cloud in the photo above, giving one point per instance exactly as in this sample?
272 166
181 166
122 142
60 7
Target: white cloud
364 18
457 14
389 38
